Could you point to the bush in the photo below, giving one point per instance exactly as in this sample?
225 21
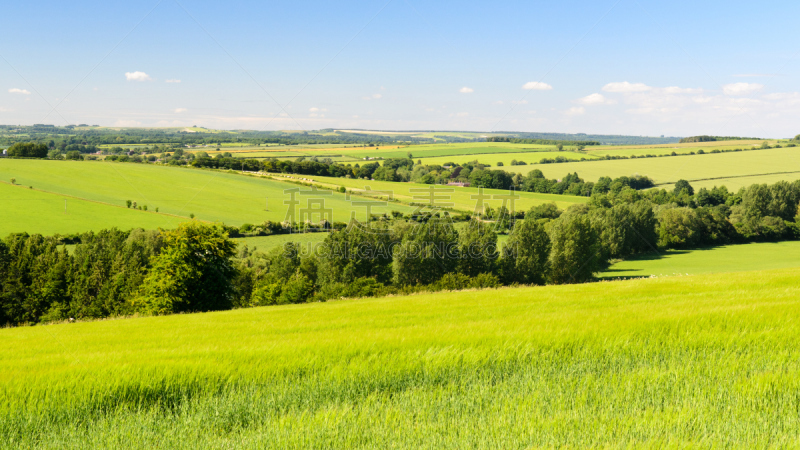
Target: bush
74 155
298 289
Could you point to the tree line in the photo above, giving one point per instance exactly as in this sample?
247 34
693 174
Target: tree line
197 267
706 138
540 141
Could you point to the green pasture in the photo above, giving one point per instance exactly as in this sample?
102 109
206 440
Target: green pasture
461 198
214 196
743 168
729 258
33 211
702 361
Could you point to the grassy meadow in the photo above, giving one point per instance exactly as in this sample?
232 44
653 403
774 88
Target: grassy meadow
729 258
213 196
735 169
460 197
681 149
705 361
32 211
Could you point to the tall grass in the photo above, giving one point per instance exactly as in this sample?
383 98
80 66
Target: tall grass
693 361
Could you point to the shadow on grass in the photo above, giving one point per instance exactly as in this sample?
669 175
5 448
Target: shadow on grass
608 272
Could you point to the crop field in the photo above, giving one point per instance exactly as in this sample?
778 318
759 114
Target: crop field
703 360
681 149
735 169
33 211
210 195
506 158
460 197
730 258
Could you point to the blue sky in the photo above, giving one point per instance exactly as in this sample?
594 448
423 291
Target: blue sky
634 67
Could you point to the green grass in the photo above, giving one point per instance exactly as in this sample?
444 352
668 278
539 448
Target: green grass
32 211
460 197
730 258
704 361
213 196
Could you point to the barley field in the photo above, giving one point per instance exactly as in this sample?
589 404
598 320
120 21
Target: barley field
700 361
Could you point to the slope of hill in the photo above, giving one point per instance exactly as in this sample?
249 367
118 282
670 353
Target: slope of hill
657 362
36 212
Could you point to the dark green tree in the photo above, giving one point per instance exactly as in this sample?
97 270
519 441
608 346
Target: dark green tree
478 247
682 185
426 252
525 255
194 272
575 254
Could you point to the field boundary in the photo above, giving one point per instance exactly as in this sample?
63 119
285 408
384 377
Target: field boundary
667 183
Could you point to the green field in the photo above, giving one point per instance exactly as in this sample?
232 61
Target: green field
736 169
428 151
730 258
681 149
214 196
492 159
733 169
708 361
460 197
32 211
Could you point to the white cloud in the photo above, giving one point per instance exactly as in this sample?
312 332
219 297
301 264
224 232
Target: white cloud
137 76
462 114
536 86
680 90
783 96
575 111
376 96
625 87
314 109
702 99
595 99
499 102
466 90
373 97
180 110
19 91
172 80
741 88
520 102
